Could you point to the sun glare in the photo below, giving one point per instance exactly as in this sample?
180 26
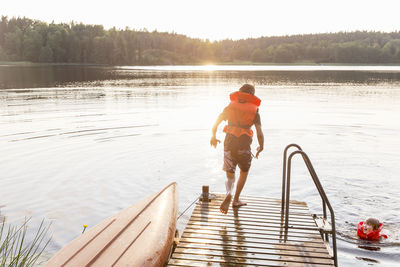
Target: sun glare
209 67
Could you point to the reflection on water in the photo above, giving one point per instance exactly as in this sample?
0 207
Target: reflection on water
247 68
79 144
371 248
95 76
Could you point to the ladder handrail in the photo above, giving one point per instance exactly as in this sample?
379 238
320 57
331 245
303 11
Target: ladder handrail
284 176
286 195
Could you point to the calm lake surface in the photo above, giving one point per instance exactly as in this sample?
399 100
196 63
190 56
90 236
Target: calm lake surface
78 144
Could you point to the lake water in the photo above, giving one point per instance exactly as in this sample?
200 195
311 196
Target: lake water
78 144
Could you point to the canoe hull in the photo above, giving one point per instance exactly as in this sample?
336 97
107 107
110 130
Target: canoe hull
140 235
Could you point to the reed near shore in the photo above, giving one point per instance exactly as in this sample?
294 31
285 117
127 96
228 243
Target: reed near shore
16 249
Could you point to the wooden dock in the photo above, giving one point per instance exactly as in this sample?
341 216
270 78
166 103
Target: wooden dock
250 236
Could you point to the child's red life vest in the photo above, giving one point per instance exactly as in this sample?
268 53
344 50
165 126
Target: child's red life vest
374 235
241 113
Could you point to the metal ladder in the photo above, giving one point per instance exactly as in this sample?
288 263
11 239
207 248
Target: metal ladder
325 228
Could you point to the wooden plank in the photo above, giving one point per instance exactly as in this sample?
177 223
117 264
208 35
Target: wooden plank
263 215
248 238
255 209
255 229
243 258
250 235
218 202
242 211
254 254
278 226
244 216
245 231
194 262
275 250
323 225
278 229
246 235
261 221
263 204
275 210
256 244
266 213
256 203
222 219
270 199
266 199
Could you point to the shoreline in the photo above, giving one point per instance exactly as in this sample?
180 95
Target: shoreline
34 64
239 63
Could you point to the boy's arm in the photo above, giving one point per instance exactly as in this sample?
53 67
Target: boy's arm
260 138
214 141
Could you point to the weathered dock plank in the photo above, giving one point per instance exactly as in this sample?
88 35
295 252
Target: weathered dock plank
250 235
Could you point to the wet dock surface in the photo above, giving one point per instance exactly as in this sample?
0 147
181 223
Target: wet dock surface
250 235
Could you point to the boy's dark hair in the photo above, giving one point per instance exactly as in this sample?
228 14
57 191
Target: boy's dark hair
374 222
247 88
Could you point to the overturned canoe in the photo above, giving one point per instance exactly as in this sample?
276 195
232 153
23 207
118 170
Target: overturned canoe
140 235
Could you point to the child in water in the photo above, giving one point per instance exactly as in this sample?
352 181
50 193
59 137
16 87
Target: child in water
370 229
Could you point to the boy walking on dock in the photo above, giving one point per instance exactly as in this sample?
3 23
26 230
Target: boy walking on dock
241 114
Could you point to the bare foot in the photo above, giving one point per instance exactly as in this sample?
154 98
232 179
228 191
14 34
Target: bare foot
225 204
236 204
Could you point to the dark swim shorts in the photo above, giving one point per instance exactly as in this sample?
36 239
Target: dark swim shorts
242 158
237 152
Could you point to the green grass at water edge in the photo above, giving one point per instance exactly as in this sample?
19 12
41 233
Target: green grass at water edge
15 250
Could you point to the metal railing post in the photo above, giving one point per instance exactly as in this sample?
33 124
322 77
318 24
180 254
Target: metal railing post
284 177
287 201
286 196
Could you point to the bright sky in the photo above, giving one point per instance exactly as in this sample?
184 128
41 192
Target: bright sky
218 19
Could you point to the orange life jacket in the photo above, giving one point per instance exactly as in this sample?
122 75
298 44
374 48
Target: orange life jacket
374 235
241 113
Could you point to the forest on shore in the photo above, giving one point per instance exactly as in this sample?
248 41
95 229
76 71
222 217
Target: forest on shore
24 39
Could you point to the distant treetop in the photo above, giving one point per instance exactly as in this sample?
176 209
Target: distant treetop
24 39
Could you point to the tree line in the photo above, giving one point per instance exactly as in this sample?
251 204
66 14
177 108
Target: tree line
24 39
